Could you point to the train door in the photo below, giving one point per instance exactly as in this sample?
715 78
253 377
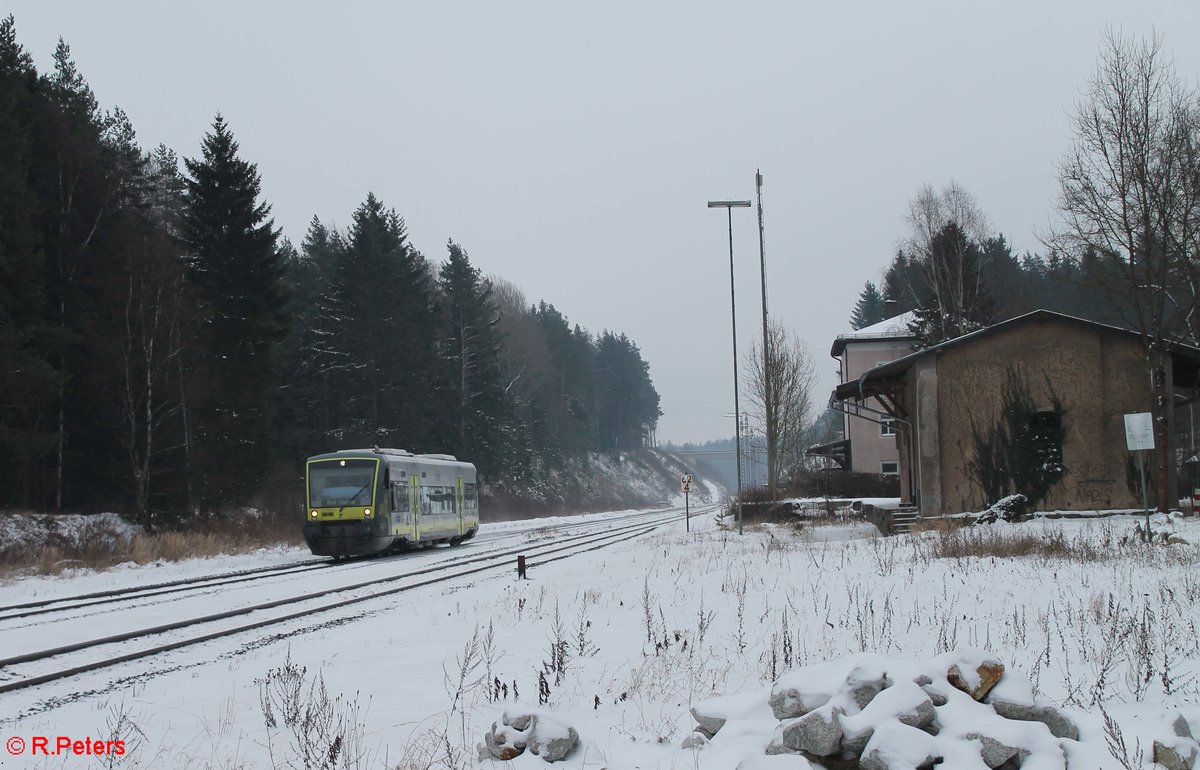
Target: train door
458 502
414 505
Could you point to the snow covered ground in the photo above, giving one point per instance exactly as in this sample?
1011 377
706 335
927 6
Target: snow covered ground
621 643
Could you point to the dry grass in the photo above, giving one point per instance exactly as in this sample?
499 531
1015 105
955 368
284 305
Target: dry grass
99 546
982 542
943 525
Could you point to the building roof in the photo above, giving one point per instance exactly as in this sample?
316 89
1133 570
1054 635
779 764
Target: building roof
894 328
861 387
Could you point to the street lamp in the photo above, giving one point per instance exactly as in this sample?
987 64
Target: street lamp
729 206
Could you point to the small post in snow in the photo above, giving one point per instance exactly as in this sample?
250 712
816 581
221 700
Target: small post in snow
521 567
685 484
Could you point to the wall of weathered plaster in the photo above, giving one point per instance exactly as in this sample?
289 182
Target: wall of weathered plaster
1098 378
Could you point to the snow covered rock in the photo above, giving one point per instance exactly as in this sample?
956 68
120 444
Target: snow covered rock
905 702
519 722
1180 751
818 732
1181 728
1060 724
541 734
712 714
995 753
550 738
974 672
855 680
900 747
1176 753
694 741
503 742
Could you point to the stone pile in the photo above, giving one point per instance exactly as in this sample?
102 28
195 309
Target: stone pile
869 712
538 733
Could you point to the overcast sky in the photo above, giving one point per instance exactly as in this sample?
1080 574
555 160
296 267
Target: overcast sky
571 147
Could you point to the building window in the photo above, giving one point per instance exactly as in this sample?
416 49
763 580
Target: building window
889 469
1047 436
887 427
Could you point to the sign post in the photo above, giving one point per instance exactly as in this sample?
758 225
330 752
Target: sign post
685 485
1139 436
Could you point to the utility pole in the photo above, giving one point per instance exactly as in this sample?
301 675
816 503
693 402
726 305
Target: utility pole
729 206
768 405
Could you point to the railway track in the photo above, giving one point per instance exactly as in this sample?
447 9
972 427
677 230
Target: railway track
116 595
49 665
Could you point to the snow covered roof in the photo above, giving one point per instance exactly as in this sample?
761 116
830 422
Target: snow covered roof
895 327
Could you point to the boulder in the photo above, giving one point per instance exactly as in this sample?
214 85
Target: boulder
879 760
935 697
503 742
977 682
818 732
905 702
864 683
1060 725
1177 754
1181 728
694 741
846 682
551 739
995 753
790 703
896 746
517 722
707 723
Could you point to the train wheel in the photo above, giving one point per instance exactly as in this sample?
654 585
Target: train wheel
455 541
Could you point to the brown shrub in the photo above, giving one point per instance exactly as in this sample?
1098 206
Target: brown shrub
98 546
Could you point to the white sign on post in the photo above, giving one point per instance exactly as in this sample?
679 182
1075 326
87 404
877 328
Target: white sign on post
685 483
1139 431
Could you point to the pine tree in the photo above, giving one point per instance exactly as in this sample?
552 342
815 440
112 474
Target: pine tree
628 405
28 378
869 308
472 355
309 408
383 307
237 273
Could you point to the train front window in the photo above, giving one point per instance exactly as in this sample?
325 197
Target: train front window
336 483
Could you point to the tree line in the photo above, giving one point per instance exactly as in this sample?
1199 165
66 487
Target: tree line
166 348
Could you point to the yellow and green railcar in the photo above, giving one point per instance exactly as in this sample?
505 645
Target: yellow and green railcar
365 501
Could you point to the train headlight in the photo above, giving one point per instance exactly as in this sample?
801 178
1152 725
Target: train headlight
367 512
313 514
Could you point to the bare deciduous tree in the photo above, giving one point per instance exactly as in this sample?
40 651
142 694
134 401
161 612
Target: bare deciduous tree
1128 198
524 354
789 375
946 227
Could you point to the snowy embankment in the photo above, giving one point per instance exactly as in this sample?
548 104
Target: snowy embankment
621 645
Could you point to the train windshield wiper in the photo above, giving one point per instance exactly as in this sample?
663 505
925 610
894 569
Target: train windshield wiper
354 496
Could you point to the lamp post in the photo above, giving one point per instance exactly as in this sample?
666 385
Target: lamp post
729 206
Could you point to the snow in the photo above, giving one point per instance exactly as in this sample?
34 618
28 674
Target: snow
652 628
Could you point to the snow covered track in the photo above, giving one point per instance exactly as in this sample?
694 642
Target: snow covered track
80 601
45 606
49 665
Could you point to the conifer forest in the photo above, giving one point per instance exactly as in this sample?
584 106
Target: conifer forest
167 349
